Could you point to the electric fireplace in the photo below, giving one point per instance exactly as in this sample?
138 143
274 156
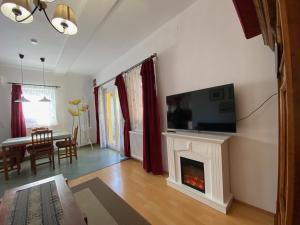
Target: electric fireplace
199 167
192 174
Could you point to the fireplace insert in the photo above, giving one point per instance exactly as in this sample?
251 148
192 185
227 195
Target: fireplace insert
192 174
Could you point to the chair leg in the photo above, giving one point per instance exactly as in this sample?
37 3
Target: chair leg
5 169
58 156
86 220
70 153
31 163
34 165
18 163
53 162
75 152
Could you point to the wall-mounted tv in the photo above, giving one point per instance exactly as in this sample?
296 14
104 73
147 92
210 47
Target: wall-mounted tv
211 109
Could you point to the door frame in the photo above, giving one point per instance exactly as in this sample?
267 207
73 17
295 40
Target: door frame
288 199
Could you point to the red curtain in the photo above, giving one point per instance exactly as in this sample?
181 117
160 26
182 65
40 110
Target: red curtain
152 156
18 126
248 17
125 111
96 93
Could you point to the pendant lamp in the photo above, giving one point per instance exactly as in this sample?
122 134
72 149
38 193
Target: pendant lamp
44 99
22 99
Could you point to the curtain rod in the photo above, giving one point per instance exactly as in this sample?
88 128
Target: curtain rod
131 68
37 85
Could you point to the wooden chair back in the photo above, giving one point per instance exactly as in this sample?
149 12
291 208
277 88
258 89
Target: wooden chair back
75 134
42 140
36 129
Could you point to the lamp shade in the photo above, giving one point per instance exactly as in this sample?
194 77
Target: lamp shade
22 99
45 99
64 20
17 10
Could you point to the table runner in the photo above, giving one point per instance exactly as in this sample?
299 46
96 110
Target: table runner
39 205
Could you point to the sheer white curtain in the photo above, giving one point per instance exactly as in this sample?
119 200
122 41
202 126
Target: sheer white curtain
38 113
134 90
102 125
120 124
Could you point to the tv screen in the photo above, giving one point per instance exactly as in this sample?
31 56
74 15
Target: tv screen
211 109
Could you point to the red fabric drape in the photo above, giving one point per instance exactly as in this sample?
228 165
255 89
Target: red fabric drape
152 157
125 111
96 94
248 17
18 126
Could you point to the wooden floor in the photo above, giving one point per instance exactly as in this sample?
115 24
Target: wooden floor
161 204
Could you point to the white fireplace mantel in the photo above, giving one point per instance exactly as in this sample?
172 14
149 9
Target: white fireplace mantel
210 149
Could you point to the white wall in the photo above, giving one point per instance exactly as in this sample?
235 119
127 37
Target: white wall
71 88
202 47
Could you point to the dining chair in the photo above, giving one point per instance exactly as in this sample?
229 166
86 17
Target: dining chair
41 148
10 159
35 129
69 146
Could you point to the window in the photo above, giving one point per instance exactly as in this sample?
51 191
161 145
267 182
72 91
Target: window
134 90
38 113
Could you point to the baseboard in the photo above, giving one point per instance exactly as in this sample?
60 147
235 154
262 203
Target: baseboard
86 145
165 173
136 158
255 207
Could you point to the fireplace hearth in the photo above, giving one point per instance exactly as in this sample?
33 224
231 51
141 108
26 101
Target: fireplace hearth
192 174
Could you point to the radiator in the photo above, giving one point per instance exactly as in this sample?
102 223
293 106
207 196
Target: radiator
136 144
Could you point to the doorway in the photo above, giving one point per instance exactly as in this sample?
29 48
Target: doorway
113 118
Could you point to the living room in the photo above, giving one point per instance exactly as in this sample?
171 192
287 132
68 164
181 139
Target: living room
121 79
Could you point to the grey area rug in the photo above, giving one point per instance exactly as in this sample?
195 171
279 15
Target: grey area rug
102 206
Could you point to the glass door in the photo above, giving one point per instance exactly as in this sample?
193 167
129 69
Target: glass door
112 118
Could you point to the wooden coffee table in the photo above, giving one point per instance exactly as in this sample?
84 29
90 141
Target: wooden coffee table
71 212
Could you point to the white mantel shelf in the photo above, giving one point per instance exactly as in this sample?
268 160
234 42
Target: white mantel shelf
212 151
213 138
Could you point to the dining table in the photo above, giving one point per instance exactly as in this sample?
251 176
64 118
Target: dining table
10 147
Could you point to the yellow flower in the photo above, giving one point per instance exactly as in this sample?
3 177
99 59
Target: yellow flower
75 102
74 113
84 108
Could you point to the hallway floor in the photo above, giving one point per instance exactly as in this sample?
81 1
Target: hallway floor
88 161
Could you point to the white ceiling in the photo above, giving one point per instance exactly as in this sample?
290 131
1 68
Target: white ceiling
107 30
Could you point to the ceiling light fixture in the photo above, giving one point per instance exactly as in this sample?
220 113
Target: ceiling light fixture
34 41
22 99
44 99
63 21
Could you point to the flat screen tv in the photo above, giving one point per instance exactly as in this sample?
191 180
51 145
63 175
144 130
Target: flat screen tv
211 109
